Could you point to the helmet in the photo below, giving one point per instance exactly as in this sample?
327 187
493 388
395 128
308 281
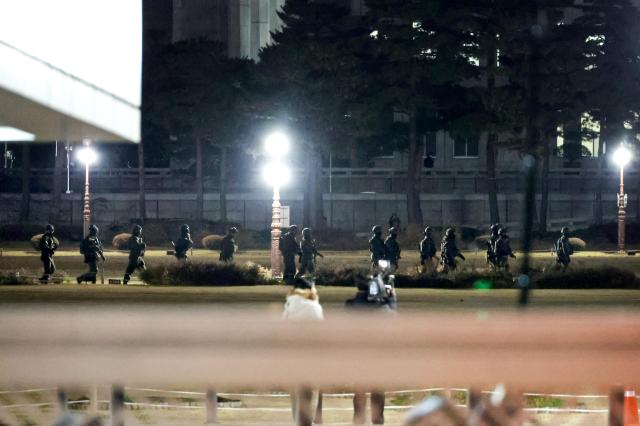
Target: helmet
393 231
493 228
93 230
451 233
306 232
502 231
427 230
293 229
137 230
185 228
564 230
377 230
49 228
233 230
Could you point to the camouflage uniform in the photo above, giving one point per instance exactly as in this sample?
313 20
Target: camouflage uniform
449 251
427 250
228 245
502 250
137 247
563 249
376 246
47 246
308 253
392 248
289 249
183 244
91 248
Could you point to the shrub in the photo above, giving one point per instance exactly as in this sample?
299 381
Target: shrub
578 244
120 241
205 274
605 277
344 276
211 242
35 241
13 279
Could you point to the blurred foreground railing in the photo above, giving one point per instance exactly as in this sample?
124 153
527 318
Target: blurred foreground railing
206 348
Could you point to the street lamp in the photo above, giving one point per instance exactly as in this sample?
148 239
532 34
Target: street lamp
276 174
87 156
621 157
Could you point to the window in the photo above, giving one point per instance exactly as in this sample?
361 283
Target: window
465 147
429 140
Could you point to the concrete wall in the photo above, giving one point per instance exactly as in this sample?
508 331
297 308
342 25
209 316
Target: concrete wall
353 212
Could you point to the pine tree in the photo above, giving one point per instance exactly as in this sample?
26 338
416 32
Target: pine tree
307 80
422 54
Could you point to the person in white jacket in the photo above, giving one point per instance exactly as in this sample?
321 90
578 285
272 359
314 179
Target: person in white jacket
303 305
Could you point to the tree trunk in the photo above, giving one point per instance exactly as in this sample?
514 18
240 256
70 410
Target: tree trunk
142 200
223 184
199 182
56 189
530 161
597 211
544 190
492 187
492 138
313 209
26 187
414 210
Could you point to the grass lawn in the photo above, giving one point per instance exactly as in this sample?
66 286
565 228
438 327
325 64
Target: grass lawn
70 264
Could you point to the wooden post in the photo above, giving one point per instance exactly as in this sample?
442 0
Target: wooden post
616 406
117 405
211 403
303 407
94 398
62 400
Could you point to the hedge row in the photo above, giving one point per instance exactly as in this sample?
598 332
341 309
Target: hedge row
206 274
230 274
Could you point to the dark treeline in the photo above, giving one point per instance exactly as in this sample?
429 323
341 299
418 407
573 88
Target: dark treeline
516 71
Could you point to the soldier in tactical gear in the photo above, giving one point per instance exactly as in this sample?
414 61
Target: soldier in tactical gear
183 244
449 251
376 246
92 249
308 253
47 246
563 249
137 246
289 249
427 251
228 245
502 250
392 248
491 244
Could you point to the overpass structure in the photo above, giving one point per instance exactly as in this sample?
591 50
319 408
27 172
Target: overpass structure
70 70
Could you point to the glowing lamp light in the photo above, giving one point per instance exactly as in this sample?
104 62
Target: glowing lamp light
622 156
87 156
276 174
277 144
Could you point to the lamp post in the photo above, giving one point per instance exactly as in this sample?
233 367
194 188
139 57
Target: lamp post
87 156
621 157
276 174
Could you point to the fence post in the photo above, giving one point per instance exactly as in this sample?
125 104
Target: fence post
303 406
616 406
211 403
62 400
94 399
117 405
